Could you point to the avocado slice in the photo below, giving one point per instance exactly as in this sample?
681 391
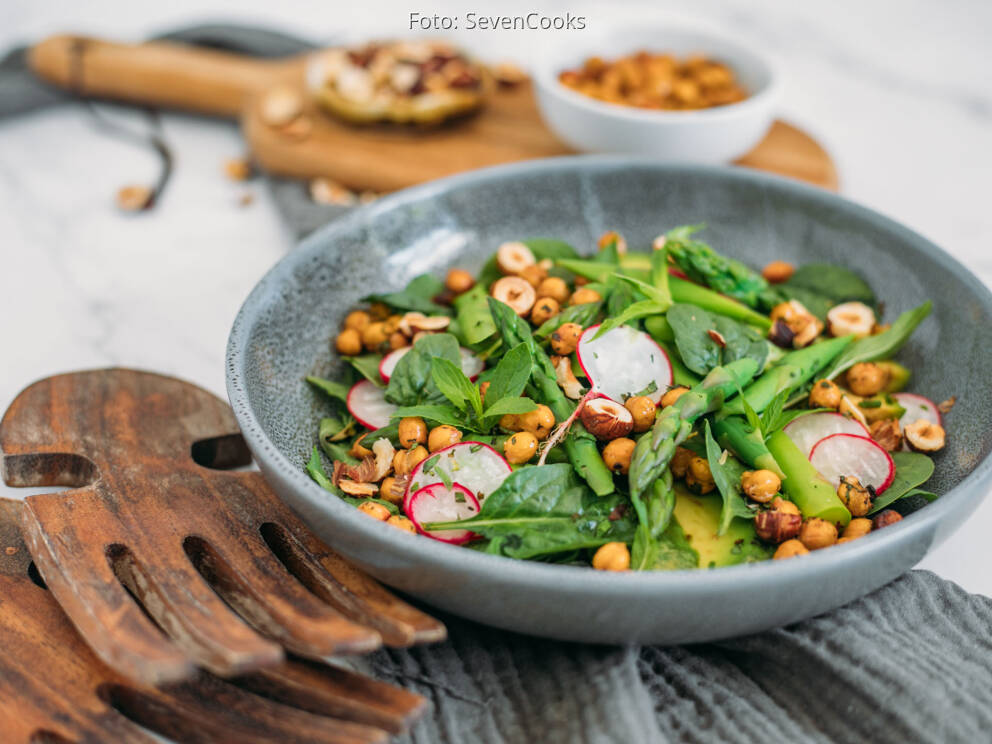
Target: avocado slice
898 375
698 518
880 407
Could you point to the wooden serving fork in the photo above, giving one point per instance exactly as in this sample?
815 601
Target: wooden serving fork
164 562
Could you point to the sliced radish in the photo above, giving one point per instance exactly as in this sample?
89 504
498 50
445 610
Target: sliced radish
439 503
475 465
850 455
367 403
623 362
472 366
917 407
807 430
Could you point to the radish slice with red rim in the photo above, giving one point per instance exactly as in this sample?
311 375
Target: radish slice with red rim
475 465
367 403
917 407
807 430
850 455
441 503
472 366
624 362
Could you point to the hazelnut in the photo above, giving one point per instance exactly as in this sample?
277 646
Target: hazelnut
520 447
515 292
673 395
356 488
402 523
824 394
784 505
555 288
612 238
854 496
374 510
781 335
885 518
404 461
534 275
413 323
348 342
565 340
584 296
857 527
613 556
389 491
790 549
808 334
606 419
777 526
392 324
680 461
760 485
643 410
817 533
851 318
866 379
778 271
412 431
538 422
357 319
545 309
617 455
443 436
514 257
458 281
887 433
924 436
566 378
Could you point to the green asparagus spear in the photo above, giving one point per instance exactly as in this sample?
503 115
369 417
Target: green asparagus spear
580 445
795 369
807 489
735 434
654 450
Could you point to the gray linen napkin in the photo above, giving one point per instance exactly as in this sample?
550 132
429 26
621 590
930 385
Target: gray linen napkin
910 663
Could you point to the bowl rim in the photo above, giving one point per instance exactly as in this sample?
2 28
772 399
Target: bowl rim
547 82
536 576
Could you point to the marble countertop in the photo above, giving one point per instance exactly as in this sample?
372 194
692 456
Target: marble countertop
898 91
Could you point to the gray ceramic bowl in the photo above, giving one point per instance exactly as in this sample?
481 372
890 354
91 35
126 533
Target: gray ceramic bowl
285 330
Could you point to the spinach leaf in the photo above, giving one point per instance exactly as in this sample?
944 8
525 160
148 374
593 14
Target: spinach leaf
545 510
836 283
691 326
740 341
390 431
912 469
815 303
473 316
418 295
367 366
882 346
674 552
336 390
411 382
727 471
315 469
543 248
455 386
583 314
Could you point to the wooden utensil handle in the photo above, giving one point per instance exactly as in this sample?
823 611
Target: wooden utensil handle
157 73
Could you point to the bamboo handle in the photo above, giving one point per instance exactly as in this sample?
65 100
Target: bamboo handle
156 73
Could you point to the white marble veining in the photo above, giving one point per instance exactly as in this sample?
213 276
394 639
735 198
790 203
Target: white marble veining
898 90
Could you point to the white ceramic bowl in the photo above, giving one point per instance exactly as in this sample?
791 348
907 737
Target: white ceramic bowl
715 135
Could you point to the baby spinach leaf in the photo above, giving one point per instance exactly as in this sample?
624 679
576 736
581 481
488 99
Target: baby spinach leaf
836 283
390 431
411 382
545 510
367 366
882 346
815 303
543 248
727 473
583 314
740 341
455 386
691 326
418 295
912 469
473 316
336 390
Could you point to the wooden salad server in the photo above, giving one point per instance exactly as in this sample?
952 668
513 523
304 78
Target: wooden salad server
314 144
54 689
164 561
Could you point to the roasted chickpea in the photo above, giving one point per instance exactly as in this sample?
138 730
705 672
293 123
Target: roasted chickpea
555 288
784 505
566 338
643 409
349 342
790 549
613 556
484 388
680 461
379 311
817 533
866 378
544 310
374 510
699 477
397 340
854 496
402 523
374 336
404 461
824 394
392 324
760 485
673 395
510 422
359 320
458 281
389 492
443 436
617 454
533 275
520 447
538 422
412 430
858 527
778 271
584 295
358 451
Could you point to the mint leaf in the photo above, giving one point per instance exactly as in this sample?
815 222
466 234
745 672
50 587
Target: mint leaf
336 390
455 386
509 377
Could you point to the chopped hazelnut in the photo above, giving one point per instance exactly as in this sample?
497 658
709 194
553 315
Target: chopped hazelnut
514 257
777 526
924 436
515 292
887 433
